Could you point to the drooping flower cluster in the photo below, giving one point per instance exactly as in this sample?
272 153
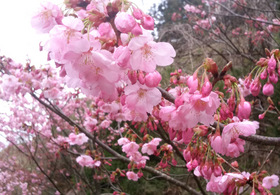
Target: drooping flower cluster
229 143
190 110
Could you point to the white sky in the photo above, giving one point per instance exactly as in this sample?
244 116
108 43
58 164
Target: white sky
18 39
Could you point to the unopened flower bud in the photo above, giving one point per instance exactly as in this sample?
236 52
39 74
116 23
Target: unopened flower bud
192 83
141 77
255 87
261 116
268 89
137 13
206 88
124 22
273 77
263 74
244 110
147 22
152 79
271 63
137 30
132 75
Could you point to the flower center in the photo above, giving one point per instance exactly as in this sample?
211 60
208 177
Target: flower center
146 51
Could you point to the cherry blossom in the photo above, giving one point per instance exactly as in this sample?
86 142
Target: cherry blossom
78 139
270 181
47 17
146 53
151 147
87 161
132 176
141 98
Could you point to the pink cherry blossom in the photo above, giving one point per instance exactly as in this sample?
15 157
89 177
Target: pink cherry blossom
217 144
255 87
270 181
66 38
268 89
130 148
10 84
152 79
87 161
193 109
98 73
124 22
137 13
233 130
146 53
206 88
47 17
122 56
52 93
141 98
90 123
137 30
244 110
123 141
192 83
106 32
147 22
78 139
223 184
151 147
271 64
273 77
234 148
243 89
139 159
132 176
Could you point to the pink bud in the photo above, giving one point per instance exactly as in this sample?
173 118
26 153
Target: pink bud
137 30
124 22
273 77
141 77
147 22
179 101
172 133
248 81
244 110
206 88
132 75
187 155
189 166
271 63
255 87
225 112
261 116
260 188
137 13
106 31
152 79
268 89
231 103
217 171
122 56
140 174
263 75
253 192
174 162
192 84
194 163
206 172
